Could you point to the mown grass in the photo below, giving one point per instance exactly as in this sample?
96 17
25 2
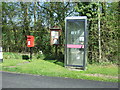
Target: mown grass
50 68
9 55
103 69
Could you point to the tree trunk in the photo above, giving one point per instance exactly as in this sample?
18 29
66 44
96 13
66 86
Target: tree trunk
99 33
34 13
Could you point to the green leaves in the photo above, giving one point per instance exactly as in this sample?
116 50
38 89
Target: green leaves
108 26
88 14
27 18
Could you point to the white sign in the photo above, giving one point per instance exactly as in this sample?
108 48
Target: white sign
1 55
28 42
54 34
81 39
54 37
55 41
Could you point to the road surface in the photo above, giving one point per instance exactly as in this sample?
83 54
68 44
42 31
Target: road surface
15 80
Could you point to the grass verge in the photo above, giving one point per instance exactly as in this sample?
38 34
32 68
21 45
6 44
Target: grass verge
49 68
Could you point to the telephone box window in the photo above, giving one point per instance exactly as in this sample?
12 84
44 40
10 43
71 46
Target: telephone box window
76 41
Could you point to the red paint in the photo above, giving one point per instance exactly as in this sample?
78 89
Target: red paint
30 41
74 46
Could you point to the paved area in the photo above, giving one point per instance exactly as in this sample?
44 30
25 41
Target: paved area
14 80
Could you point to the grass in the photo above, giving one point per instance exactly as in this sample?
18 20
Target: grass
9 55
12 62
50 68
101 69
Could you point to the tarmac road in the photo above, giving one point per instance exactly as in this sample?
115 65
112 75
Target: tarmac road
15 80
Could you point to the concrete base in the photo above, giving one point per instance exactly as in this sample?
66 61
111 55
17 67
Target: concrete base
75 68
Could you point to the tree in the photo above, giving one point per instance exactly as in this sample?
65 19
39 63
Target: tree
101 40
36 18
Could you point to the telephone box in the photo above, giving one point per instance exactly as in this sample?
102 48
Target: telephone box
55 36
76 41
30 41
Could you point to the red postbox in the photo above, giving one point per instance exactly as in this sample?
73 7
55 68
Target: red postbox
30 41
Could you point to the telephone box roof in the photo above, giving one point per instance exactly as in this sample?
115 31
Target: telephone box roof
77 17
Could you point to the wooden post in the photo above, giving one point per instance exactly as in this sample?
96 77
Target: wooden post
55 51
30 53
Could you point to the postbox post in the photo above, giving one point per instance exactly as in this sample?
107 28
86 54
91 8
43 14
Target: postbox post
30 53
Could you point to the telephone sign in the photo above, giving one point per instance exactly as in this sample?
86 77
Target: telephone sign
75 41
30 41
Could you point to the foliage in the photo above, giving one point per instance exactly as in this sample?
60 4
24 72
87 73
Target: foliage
108 30
36 18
